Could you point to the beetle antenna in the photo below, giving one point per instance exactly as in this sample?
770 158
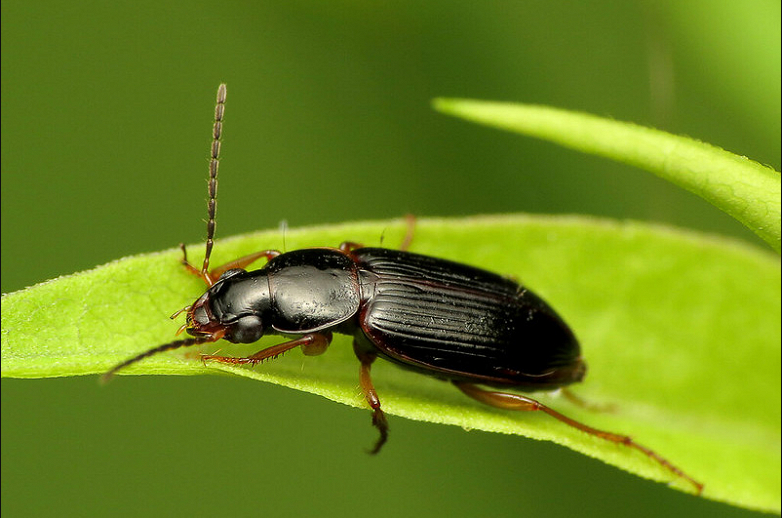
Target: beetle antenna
214 164
159 349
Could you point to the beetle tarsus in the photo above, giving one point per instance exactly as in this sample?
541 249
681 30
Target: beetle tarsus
380 422
521 403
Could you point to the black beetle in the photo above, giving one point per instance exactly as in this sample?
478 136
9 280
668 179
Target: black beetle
441 318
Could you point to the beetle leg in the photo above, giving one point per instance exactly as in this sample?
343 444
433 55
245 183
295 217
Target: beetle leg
311 342
242 262
211 277
379 420
349 246
586 405
409 233
190 268
525 404
318 345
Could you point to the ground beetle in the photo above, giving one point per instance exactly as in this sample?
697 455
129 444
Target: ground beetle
438 317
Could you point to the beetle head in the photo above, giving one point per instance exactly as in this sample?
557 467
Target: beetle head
231 308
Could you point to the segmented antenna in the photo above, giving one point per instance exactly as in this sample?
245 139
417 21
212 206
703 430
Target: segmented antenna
214 164
165 347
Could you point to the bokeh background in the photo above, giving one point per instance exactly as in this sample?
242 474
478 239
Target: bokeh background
106 114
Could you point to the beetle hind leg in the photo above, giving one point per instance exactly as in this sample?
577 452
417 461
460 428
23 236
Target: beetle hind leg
379 420
521 403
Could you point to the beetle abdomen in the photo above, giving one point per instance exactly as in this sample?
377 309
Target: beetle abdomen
463 322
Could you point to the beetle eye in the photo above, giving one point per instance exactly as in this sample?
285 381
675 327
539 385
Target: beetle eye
246 330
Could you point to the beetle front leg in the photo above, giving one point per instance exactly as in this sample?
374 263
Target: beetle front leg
379 420
312 344
211 277
521 403
242 262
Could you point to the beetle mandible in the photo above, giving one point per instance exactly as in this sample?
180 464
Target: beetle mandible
444 319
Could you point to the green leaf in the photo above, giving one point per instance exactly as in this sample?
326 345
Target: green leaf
748 191
681 332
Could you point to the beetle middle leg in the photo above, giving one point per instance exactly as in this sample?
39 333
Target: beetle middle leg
526 404
349 246
409 233
379 420
312 344
586 405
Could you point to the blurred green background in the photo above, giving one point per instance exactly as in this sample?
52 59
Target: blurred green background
106 114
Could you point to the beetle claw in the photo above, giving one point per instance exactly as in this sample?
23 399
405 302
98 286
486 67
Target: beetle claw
380 422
